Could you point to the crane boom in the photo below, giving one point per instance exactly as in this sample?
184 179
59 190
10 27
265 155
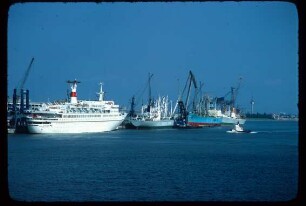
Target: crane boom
25 76
182 107
191 79
234 92
238 87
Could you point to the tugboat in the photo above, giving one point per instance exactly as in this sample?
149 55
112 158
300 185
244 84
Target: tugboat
238 129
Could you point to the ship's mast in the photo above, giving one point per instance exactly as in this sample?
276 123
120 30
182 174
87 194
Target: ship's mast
150 98
132 111
233 98
101 93
73 93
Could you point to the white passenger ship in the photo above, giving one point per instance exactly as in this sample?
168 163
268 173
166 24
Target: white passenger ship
76 116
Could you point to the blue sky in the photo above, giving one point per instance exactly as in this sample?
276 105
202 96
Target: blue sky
120 43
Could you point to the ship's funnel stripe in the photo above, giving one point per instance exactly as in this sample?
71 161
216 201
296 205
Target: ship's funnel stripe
73 94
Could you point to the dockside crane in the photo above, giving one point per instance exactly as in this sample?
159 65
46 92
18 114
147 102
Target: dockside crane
182 107
191 79
20 90
25 76
18 93
234 94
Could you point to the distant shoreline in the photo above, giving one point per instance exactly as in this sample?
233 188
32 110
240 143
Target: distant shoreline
268 119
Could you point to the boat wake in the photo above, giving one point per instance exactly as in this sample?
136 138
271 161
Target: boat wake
242 132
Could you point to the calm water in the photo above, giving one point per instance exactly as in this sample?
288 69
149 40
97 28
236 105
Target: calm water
157 165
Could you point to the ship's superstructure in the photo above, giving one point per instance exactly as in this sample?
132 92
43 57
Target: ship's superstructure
154 114
76 116
227 109
157 115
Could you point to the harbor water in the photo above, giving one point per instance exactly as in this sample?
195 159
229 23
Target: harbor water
206 164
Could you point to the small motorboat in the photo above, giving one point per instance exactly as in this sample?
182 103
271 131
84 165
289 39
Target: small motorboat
238 129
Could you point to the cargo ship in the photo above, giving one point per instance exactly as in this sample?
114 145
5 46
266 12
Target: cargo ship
227 108
198 116
154 114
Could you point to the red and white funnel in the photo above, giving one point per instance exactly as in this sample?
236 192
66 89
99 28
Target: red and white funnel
73 94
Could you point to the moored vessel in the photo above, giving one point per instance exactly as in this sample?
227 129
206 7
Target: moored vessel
228 117
230 120
154 114
76 116
227 108
195 120
198 116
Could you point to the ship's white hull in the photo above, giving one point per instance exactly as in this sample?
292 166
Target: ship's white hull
231 121
10 130
75 126
76 116
152 124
